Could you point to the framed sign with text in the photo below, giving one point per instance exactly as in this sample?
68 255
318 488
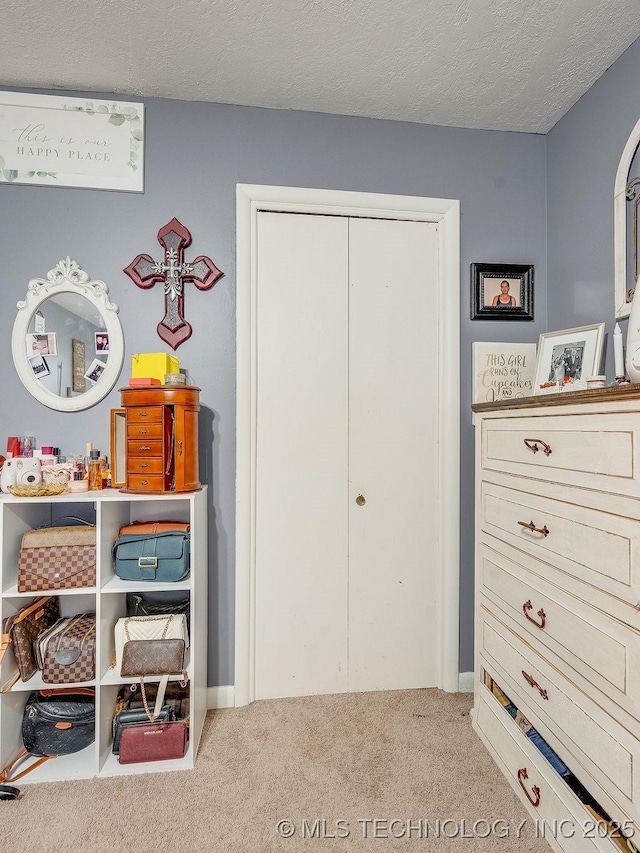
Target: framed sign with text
502 371
61 141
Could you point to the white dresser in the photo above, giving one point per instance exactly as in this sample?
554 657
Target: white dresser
558 608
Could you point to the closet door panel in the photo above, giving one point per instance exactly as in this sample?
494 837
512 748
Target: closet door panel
393 453
301 452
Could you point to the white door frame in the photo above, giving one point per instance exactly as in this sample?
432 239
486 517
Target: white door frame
446 213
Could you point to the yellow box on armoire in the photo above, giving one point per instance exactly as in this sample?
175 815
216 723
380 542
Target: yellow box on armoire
154 364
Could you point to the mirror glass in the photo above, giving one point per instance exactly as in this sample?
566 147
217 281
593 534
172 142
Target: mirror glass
67 339
626 224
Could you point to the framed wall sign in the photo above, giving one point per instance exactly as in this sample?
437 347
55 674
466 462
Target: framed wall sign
502 371
78 366
501 291
71 142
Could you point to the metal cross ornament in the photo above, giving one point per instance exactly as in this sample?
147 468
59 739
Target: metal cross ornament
174 272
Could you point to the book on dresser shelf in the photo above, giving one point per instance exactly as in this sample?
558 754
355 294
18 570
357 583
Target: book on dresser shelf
557 563
111 598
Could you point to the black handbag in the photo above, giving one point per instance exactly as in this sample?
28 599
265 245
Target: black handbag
176 696
157 604
54 722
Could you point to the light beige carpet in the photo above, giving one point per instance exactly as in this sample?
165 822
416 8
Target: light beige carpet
369 772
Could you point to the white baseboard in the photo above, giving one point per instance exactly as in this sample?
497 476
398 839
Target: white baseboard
466 682
223 696
220 697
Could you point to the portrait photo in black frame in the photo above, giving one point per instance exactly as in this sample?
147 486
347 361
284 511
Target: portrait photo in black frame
502 291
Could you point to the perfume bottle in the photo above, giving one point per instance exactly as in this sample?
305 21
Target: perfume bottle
95 471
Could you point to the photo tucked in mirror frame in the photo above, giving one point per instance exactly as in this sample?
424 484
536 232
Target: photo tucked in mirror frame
67 340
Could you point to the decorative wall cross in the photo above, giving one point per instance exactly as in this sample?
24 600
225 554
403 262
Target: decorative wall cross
173 271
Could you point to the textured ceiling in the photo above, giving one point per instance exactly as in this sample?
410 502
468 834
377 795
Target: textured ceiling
496 64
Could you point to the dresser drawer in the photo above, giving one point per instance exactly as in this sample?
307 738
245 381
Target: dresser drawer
143 447
542 791
603 654
144 414
599 548
602 754
596 451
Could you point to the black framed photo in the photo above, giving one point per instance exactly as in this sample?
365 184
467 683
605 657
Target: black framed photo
502 291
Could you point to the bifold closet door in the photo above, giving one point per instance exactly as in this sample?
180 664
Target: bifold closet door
393 454
301 456
346 596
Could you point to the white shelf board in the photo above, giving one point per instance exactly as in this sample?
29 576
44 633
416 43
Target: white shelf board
116 584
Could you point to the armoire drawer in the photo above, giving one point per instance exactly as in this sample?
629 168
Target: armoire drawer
143 447
595 451
541 790
142 430
599 548
144 414
603 654
144 465
603 754
145 482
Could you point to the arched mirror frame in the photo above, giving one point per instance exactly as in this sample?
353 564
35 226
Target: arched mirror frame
623 307
68 277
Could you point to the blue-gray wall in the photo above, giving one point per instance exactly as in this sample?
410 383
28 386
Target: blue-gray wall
195 155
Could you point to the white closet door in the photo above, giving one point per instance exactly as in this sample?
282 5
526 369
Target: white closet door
393 454
347 405
302 446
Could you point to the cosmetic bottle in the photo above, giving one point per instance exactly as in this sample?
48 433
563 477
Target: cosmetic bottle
95 471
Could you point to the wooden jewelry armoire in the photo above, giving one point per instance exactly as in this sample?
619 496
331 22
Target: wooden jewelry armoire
161 439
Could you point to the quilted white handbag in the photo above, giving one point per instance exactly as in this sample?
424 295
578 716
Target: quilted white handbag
163 627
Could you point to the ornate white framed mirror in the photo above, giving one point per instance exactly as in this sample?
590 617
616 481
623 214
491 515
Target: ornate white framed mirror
626 213
67 340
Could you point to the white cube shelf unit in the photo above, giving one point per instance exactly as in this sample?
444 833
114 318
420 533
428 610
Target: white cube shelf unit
110 510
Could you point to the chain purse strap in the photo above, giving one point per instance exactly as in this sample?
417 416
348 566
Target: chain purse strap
168 620
162 687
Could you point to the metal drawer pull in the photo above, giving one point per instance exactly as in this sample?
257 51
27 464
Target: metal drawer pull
532 444
143 431
143 414
146 447
522 774
531 526
526 607
144 464
531 680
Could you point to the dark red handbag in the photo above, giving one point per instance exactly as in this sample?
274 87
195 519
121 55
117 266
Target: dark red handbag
153 742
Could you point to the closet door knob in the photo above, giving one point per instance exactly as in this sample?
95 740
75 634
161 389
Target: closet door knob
361 500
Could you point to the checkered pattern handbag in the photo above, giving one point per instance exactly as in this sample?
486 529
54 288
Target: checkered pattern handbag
57 558
69 654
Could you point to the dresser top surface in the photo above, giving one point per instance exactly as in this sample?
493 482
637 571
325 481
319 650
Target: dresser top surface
616 393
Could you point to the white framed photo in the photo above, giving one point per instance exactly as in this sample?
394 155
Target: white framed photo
102 342
44 344
95 370
567 357
39 366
